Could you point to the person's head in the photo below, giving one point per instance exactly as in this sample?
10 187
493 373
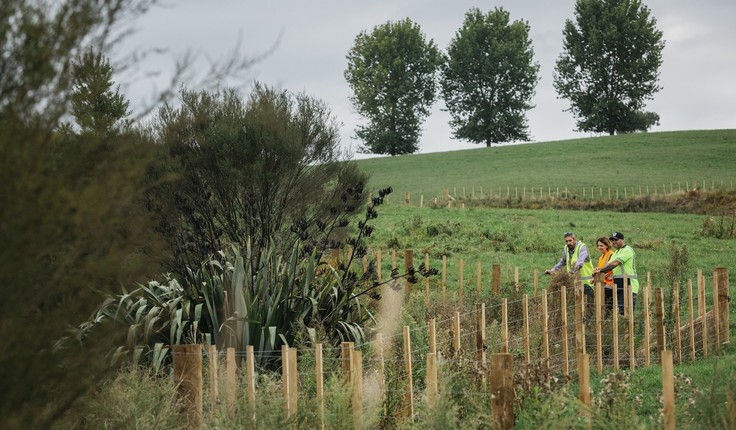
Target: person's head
570 239
617 240
604 245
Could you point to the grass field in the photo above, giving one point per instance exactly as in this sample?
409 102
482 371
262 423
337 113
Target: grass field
643 159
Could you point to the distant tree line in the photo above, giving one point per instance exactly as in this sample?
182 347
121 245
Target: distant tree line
608 69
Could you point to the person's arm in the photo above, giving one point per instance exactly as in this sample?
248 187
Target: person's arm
582 256
608 267
560 264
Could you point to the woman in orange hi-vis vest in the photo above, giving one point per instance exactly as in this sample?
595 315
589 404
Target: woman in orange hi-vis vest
604 246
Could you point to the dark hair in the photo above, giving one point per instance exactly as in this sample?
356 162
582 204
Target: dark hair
604 240
569 233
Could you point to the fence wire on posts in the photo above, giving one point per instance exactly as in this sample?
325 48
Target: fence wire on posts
492 325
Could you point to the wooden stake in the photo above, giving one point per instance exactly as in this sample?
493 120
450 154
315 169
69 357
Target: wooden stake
478 279
723 304
505 326
444 279
409 381
599 298
691 320
432 379
460 290
516 279
320 384
381 363
408 263
456 334
496 280
659 314
285 379
525 311
231 380
212 365
676 311
579 328
584 378
356 364
293 378
378 266
250 376
432 335
704 317
502 391
632 352
614 320
545 327
426 280
536 281
668 390
563 312
701 293
188 381
716 314
345 348
480 333
647 325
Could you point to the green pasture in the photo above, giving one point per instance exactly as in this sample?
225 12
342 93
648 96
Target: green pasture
533 239
633 160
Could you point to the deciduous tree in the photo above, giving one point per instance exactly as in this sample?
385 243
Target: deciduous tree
609 66
489 78
393 73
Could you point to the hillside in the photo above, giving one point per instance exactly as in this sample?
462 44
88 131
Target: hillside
642 159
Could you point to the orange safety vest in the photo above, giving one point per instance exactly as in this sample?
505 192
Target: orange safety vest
602 262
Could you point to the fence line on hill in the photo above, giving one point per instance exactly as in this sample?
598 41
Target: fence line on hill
558 331
452 196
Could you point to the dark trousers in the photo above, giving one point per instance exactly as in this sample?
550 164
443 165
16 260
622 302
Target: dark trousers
619 282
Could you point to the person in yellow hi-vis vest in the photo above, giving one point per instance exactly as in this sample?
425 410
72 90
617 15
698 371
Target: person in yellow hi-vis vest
623 264
575 259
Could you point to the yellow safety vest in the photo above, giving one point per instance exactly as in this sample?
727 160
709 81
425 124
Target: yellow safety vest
586 272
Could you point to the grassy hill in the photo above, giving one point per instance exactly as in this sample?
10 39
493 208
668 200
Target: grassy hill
644 159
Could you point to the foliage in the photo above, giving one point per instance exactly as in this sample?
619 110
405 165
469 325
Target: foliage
393 74
610 65
489 77
96 106
234 170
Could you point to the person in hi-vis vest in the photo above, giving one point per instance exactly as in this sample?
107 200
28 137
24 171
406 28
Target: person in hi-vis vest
623 264
575 259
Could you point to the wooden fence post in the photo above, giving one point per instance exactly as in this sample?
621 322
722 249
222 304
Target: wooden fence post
563 312
293 378
716 314
701 293
704 316
432 336
407 362
461 281
480 333
478 281
231 379
614 320
381 363
426 280
579 328
505 326
599 295
676 311
188 380
502 391
632 352
319 370
432 379
496 280
659 314
250 374
691 319
668 390
378 266
545 327
584 378
212 365
525 313
345 348
516 279
356 380
647 324
536 281
408 263
285 379
723 305
444 279
456 334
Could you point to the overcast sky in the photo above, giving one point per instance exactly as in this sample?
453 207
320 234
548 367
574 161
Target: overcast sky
313 37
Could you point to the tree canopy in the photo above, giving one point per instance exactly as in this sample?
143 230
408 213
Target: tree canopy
489 77
609 66
393 74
